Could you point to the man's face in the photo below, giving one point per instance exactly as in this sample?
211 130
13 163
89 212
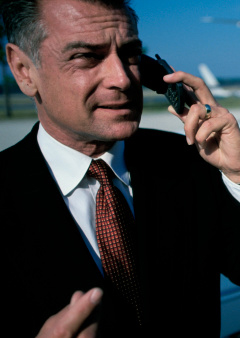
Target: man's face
88 81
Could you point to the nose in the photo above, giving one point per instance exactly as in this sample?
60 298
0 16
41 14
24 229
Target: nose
116 75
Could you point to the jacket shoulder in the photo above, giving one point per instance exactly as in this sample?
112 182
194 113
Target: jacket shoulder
20 150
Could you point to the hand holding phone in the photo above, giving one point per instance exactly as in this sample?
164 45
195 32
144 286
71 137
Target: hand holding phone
152 72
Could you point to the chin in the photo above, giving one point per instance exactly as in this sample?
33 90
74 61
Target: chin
124 132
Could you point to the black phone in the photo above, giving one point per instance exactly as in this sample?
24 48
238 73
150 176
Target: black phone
152 72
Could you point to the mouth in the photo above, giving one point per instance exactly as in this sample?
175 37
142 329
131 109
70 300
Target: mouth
117 106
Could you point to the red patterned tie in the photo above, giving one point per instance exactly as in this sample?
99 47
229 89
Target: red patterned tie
114 219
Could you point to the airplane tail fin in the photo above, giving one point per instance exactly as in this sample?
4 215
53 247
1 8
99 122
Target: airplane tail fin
209 78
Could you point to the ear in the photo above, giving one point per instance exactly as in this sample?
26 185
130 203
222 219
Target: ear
22 68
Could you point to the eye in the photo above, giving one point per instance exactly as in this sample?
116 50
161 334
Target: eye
134 59
86 59
87 56
131 57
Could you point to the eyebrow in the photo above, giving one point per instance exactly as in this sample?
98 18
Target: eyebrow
80 44
137 43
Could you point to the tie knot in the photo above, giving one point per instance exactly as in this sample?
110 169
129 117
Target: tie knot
100 171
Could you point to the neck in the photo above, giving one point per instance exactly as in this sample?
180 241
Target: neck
94 149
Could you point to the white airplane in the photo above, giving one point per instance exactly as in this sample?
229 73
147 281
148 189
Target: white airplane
211 19
213 84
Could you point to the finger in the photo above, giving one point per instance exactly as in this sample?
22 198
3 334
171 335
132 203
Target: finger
223 123
190 96
89 332
192 120
80 308
197 117
76 296
182 116
68 321
189 114
199 87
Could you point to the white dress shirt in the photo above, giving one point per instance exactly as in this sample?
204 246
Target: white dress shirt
232 187
68 167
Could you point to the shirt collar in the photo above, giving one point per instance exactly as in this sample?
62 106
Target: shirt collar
69 166
115 159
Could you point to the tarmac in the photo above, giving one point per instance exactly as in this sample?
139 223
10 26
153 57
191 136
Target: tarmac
13 130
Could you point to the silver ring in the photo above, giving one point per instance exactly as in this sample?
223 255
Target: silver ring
208 111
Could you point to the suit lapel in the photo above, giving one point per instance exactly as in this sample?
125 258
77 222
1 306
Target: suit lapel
55 237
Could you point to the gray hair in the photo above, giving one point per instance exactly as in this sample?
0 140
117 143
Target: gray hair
25 27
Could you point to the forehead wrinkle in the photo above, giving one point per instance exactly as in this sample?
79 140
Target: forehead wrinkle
100 25
118 17
108 31
95 46
84 20
88 24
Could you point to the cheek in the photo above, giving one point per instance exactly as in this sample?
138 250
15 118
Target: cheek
137 85
80 88
135 70
63 93
136 76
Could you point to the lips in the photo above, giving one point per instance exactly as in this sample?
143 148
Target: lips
116 106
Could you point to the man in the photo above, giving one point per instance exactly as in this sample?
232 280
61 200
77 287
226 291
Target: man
79 60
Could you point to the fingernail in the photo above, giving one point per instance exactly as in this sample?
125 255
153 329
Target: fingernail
96 296
189 142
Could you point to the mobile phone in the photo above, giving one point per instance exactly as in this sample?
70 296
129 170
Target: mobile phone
152 72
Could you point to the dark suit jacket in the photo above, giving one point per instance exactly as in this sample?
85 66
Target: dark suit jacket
187 232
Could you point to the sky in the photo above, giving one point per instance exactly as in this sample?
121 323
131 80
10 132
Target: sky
174 30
